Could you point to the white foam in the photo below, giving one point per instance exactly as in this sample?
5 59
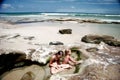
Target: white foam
55 14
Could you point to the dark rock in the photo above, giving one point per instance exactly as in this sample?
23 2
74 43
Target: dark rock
115 22
98 39
56 43
7 61
113 43
29 37
65 31
13 60
3 36
90 39
14 36
93 49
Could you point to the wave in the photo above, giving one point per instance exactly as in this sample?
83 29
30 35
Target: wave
31 15
46 16
107 20
55 14
98 15
111 15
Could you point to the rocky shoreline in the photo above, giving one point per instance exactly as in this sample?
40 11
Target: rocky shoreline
23 21
100 61
83 21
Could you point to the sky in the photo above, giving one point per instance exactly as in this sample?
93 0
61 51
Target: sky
83 6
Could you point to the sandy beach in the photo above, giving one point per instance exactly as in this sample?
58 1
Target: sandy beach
46 32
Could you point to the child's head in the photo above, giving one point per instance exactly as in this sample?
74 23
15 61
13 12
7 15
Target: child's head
60 53
67 52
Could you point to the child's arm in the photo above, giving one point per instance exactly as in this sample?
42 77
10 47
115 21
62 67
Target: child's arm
73 60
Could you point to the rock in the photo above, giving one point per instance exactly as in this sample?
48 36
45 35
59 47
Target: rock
29 37
98 39
13 36
41 55
93 49
3 36
113 43
57 77
28 76
95 38
56 43
115 22
29 52
8 61
97 72
65 31
33 72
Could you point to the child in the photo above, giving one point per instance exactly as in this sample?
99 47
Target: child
68 59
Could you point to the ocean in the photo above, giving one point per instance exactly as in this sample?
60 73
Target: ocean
38 16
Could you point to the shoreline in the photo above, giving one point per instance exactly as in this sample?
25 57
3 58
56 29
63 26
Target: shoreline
60 20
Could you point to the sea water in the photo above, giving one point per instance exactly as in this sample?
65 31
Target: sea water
37 16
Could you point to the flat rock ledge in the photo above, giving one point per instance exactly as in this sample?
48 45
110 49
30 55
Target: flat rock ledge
101 38
100 62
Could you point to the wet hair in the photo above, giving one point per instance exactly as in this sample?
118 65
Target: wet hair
59 52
